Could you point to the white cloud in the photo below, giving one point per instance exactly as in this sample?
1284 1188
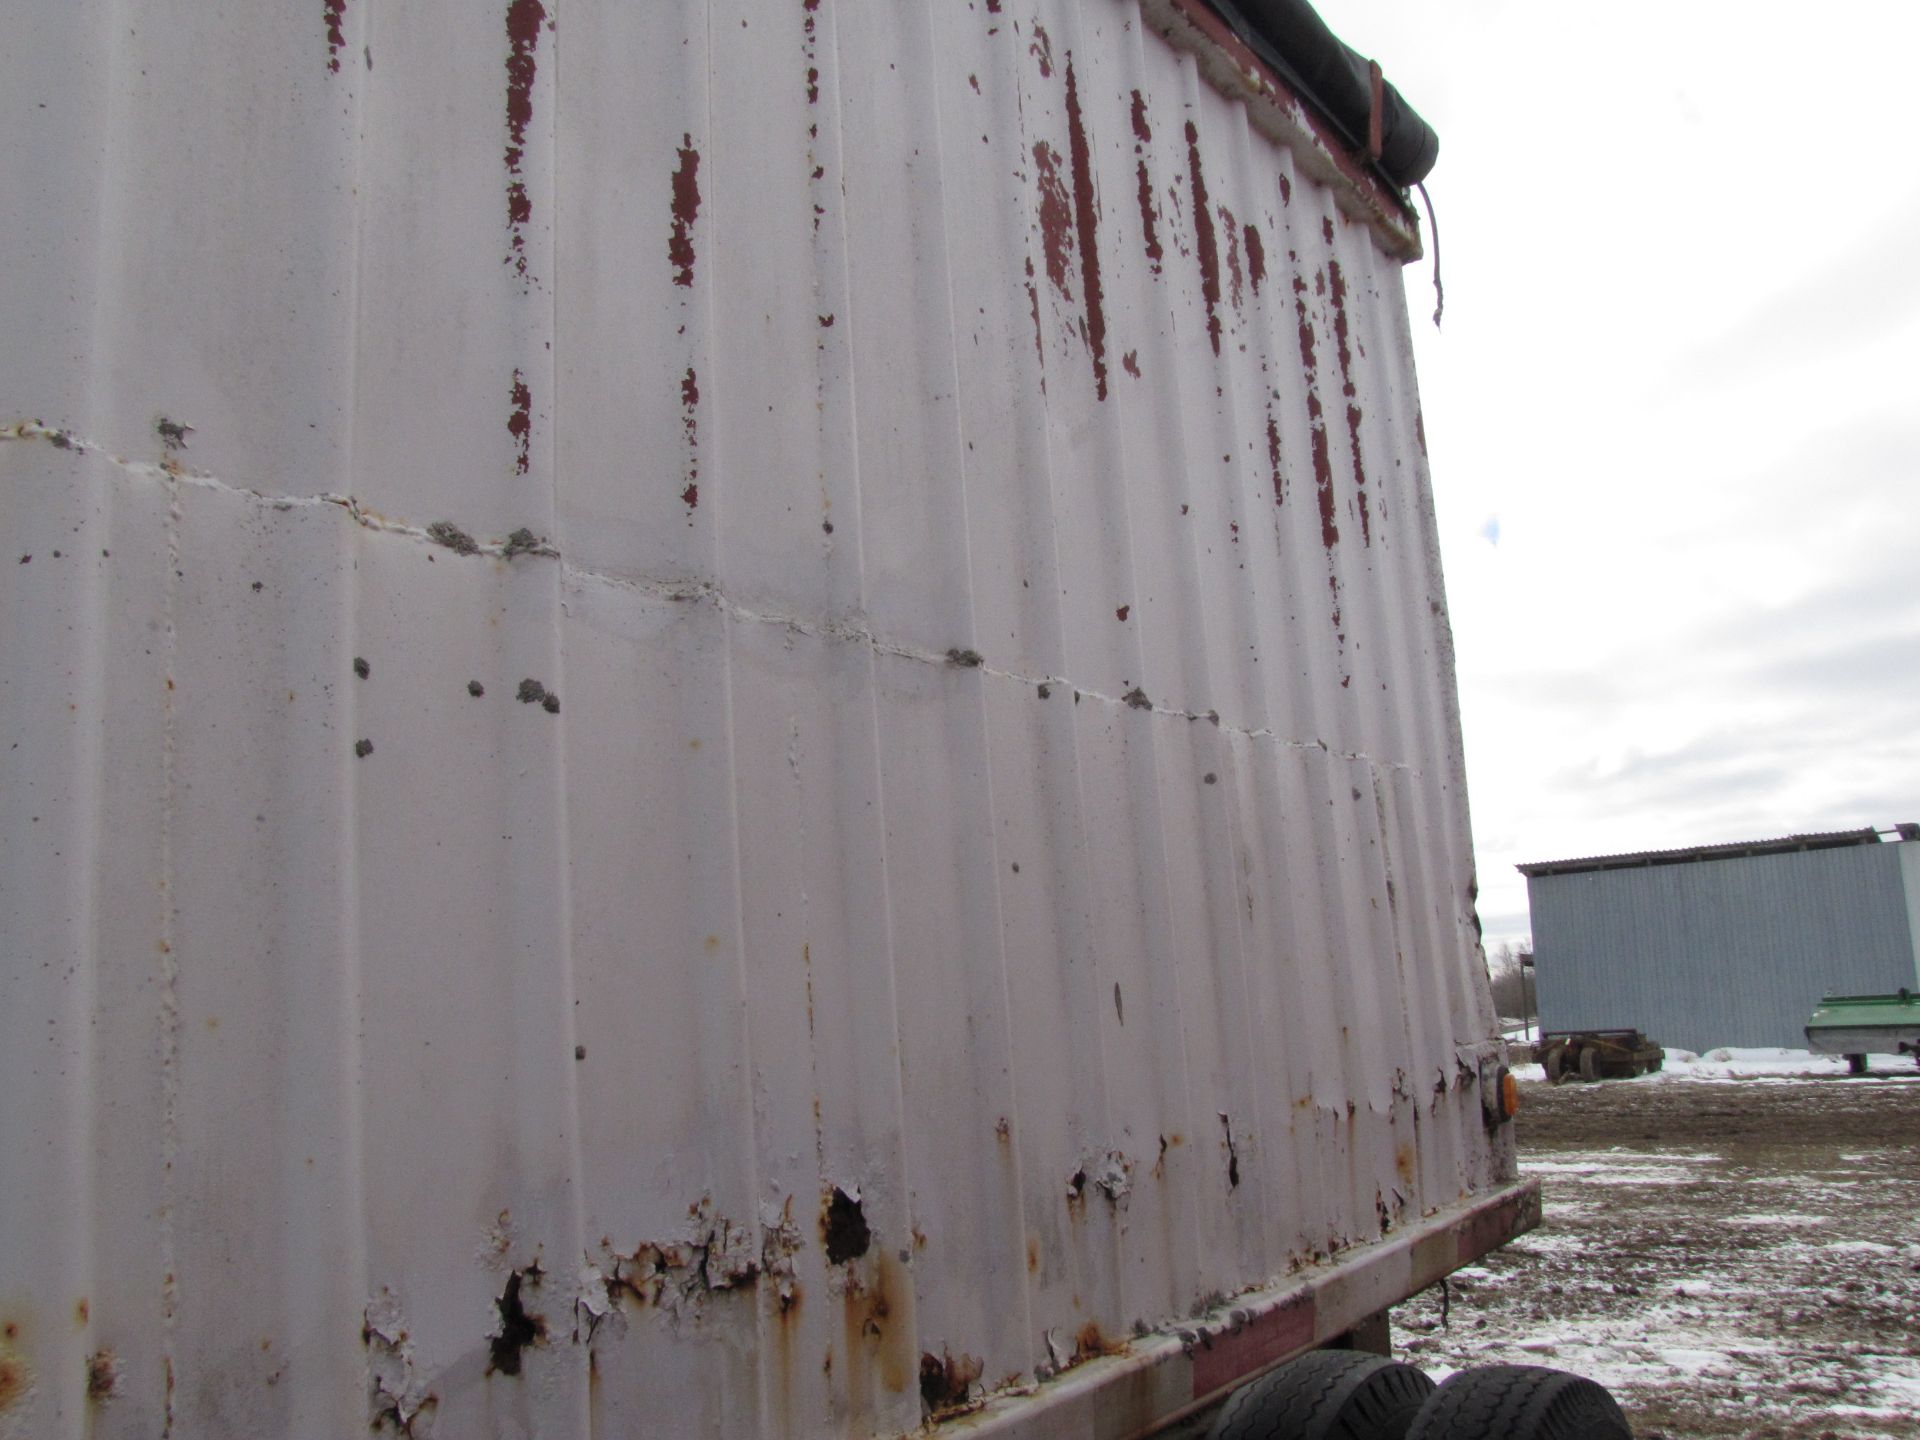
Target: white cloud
1679 367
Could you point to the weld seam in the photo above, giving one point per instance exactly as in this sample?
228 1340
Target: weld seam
679 592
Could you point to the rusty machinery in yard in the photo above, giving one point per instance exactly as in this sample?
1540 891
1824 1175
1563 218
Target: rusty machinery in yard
1598 1055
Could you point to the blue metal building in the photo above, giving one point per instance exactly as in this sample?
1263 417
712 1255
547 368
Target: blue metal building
1725 944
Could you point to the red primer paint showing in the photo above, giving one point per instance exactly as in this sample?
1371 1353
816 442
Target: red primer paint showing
1273 457
691 496
1316 416
1086 217
826 322
1235 279
690 392
1056 214
1041 49
993 7
974 81
1338 285
813 85
336 32
1121 613
1204 239
1262 1340
1149 212
524 19
1130 362
1149 219
520 421
1326 228
1286 191
1256 258
686 208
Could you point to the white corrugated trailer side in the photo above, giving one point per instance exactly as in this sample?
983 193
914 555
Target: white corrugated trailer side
715 719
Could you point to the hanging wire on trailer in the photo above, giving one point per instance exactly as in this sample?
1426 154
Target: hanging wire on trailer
1433 224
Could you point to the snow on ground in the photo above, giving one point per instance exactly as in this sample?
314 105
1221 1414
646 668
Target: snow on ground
1732 1246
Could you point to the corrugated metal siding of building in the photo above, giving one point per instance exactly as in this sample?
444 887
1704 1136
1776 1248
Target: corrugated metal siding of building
1723 952
826 349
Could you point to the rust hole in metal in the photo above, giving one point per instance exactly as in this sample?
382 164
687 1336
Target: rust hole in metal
1119 1007
945 1381
1090 1344
1233 1155
518 1328
844 1226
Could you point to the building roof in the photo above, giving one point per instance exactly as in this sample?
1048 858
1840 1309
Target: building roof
1822 840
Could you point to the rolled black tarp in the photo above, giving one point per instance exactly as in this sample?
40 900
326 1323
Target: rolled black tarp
1288 35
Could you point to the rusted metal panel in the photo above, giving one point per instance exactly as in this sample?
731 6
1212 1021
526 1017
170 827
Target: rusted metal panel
719 720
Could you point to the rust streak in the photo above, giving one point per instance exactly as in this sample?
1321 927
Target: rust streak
1204 239
1086 218
1256 258
524 19
336 32
520 422
1236 279
686 208
1055 215
1148 218
1338 285
1033 304
1273 457
1316 416
690 423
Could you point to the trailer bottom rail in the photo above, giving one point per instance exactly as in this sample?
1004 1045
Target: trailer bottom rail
1163 1377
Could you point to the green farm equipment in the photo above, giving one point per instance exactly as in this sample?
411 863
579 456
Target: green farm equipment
1857 1026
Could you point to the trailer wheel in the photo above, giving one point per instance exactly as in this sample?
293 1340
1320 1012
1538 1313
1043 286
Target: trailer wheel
1856 1064
1556 1064
1589 1064
1519 1402
1326 1395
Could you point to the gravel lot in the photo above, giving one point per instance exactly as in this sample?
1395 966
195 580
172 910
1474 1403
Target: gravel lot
1731 1253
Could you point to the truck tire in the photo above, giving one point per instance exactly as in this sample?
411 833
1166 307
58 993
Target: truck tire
1556 1064
1589 1064
1519 1402
1326 1395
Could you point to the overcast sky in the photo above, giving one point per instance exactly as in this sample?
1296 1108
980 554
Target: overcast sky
1673 414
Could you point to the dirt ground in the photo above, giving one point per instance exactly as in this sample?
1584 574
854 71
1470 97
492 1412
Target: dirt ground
1730 1256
